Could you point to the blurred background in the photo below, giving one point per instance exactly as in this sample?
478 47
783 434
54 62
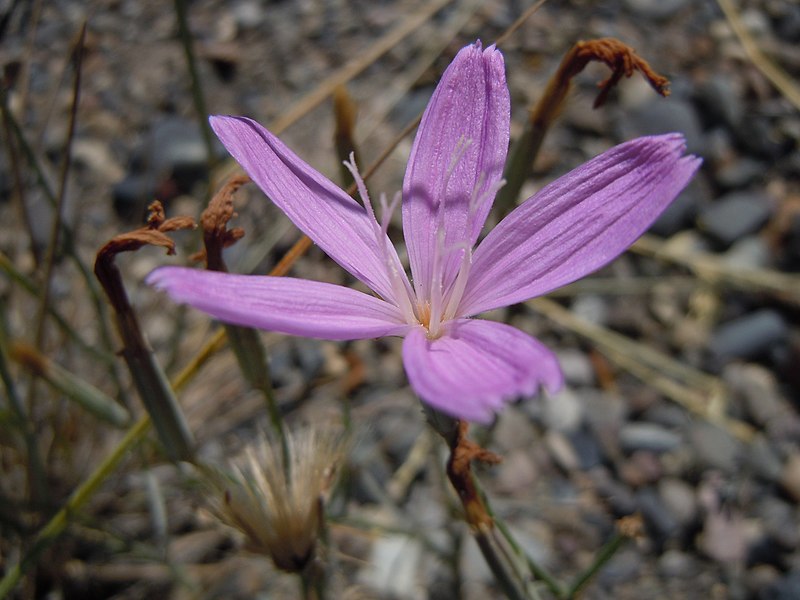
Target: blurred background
681 357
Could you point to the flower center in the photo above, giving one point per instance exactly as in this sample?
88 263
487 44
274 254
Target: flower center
424 314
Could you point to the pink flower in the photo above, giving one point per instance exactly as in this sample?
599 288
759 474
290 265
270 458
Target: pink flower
465 367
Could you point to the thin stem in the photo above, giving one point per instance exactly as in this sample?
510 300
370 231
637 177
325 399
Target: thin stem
197 89
68 241
497 566
35 466
605 554
536 570
49 262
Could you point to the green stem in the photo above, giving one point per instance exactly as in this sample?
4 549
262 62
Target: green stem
35 466
537 570
498 567
150 381
605 554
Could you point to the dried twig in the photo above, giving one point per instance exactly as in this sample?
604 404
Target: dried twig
619 57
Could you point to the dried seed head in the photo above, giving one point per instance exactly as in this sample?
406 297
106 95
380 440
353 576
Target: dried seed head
280 511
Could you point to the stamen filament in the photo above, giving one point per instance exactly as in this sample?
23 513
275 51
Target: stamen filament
402 292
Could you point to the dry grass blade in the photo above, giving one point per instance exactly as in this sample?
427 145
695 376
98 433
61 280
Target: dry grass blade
76 58
779 78
435 43
700 393
711 269
73 387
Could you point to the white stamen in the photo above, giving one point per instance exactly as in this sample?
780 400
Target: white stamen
456 292
437 282
399 284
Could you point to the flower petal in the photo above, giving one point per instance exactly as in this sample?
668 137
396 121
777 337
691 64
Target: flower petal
578 223
336 222
283 304
477 366
470 109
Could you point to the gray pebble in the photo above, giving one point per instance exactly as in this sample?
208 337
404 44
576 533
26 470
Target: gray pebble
677 564
714 447
679 499
750 336
563 411
751 252
666 116
655 9
740 173
734 216
776 515
648 436
576 366
763 460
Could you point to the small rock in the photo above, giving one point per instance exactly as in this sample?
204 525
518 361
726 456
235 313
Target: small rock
248 14
398 432
718 101
655 9
513 430
751 336
394 567
734 216
761 578
714 447
755 135
563 411
739 173
592 308
762 459
577 367
674 564
642 468
775 516
750 252
790 478
660 522
517 472
618 497
309 356
666 116
679 499
786 588
586 448
724 538
647 436
624 566
175 150
605 414
561 451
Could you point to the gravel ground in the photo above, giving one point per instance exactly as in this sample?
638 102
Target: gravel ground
689 417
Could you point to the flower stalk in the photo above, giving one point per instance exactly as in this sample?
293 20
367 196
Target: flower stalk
148 377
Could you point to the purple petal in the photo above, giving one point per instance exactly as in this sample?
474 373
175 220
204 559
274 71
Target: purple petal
477 366
336 222
470 106
578 223
282 304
